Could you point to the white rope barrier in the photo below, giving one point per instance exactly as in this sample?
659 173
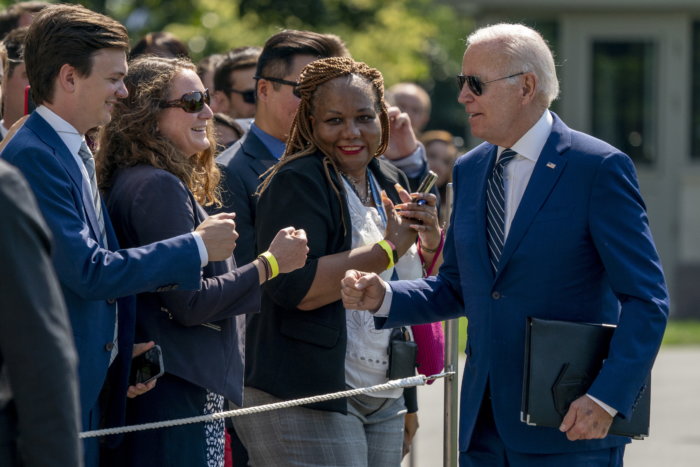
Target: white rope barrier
418 380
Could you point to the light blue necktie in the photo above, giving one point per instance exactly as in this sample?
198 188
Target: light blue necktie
89 161
496 208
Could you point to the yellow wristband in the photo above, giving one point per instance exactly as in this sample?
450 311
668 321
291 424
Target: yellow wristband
273 263
389 252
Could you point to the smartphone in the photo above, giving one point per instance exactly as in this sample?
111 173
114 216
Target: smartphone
147 366
29 104
426 185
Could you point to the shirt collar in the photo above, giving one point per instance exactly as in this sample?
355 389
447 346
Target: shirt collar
274 145
531 143
67 132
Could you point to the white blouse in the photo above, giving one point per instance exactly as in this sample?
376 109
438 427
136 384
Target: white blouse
366 357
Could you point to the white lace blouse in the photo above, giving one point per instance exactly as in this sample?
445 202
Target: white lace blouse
366 358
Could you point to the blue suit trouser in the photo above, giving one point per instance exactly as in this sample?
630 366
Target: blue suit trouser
488 450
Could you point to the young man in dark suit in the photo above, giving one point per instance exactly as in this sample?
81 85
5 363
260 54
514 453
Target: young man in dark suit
566 228
76 63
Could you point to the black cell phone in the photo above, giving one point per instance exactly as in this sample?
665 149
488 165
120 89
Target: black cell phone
426 185
147 366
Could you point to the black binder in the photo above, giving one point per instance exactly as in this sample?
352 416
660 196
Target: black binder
562 359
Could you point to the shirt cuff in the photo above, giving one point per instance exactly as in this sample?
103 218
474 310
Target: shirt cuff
414 163
605 406
384 308
203 255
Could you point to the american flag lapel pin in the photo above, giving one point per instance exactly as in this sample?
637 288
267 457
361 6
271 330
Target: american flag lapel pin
551 165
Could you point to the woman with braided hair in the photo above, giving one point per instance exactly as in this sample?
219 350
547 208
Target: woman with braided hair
331 182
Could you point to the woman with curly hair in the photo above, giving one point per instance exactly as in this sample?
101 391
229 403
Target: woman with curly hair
331 182
156 164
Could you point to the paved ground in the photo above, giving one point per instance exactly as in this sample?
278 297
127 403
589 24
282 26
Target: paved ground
675 416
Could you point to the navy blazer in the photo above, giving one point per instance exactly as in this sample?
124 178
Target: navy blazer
580 231
241 167
196 330
93 276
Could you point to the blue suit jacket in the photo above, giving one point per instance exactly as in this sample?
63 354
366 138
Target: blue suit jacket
93 276
580 232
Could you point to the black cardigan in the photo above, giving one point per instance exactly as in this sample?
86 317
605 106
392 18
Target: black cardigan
292 353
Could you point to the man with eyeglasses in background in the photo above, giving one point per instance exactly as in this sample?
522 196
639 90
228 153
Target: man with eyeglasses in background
280 63
234 83
547 222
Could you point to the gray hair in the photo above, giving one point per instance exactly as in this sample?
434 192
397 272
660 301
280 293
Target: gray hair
528 50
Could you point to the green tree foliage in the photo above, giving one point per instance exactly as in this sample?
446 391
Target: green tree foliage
408 40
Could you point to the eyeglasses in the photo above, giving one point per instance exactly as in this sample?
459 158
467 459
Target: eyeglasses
293 84
248 95
191 102
476 85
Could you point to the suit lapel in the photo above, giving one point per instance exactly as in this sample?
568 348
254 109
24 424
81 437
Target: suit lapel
261 157
48 135
545 175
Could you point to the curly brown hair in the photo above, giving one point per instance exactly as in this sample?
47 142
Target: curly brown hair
132 136
302 141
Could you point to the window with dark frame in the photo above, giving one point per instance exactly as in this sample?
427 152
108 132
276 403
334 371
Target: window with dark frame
624 96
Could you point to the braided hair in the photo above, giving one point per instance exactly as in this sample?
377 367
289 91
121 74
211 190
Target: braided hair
302 141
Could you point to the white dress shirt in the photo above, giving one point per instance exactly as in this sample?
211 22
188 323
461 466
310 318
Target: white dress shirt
517 173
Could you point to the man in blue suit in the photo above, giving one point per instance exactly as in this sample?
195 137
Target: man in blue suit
76 62
547 221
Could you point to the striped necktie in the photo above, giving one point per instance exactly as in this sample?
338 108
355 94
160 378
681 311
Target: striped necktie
89 161
496 208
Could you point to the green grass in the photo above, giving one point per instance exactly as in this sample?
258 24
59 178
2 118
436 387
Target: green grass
685 332
682 333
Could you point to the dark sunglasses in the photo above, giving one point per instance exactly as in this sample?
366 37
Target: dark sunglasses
476 85
248 96
293 84
191 102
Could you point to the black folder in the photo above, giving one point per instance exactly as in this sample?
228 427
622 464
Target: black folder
562 358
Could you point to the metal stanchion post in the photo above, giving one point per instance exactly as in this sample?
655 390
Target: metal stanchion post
450 447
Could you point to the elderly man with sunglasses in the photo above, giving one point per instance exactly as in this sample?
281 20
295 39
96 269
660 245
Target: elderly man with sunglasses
547 222
76 63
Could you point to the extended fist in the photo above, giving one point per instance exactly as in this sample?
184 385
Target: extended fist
289 249
362 290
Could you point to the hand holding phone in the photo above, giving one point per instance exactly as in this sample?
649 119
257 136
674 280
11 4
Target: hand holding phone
147 366
426 185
